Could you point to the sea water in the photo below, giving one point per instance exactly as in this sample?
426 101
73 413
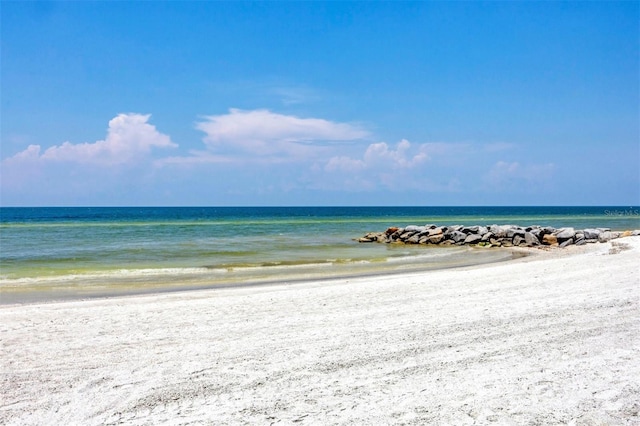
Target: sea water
62 252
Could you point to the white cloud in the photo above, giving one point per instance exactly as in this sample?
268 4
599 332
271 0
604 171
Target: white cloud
514 174
380 153
129 136
344 164
381 156
264 133
380 166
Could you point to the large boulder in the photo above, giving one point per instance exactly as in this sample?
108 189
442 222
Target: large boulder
519 240
550 240
457 236
435 231
603 237
608 235
391 230
565 234
496 229
481 230
566 242
414 239
470 229
495 241
531 239
407 234
372 237
591 234
515 230
436 239
473 239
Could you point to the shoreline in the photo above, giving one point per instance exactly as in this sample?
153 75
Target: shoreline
33 294
548 338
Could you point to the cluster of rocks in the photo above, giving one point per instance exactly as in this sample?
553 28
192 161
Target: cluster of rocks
494 235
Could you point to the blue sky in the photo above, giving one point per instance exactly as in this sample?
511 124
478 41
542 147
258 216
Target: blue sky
314 103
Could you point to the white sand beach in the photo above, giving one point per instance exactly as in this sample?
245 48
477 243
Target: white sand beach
553 338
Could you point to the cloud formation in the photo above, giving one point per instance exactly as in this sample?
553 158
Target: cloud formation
264 133
381 156
129 137
514 174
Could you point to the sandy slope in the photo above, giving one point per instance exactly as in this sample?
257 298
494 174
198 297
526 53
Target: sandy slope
550 339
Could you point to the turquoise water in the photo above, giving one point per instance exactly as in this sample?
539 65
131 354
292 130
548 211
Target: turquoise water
76 252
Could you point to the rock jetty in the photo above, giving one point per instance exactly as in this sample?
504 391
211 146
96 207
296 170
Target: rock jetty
494 235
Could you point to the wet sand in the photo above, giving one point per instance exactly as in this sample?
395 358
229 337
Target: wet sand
553 338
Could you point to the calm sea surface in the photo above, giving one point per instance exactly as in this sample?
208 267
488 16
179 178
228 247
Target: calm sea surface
48 253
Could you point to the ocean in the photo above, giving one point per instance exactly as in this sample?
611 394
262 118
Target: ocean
77 252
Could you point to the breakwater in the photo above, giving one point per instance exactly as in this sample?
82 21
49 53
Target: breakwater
494 235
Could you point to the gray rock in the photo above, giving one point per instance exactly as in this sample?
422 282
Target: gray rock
531 239
435 231
396 235
565 233
605 236
566 242
473 239
518 240
474 230
373 237
414 228
414 239
457 236
537 232
516 230
591 234
470 229
436 239
498 231
493 235
407 234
